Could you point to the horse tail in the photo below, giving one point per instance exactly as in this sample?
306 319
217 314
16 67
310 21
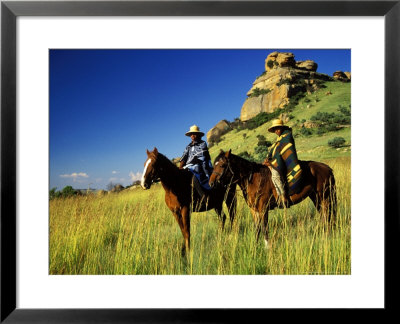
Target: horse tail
328 193
332 198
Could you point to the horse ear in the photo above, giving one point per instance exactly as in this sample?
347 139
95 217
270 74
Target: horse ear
228 153
155 150
147 151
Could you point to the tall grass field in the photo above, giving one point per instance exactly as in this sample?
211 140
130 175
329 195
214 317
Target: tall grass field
133 232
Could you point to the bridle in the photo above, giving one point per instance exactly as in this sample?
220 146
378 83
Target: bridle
154 176
222 174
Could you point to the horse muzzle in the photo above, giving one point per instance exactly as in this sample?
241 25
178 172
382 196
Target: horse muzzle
145 186
212 182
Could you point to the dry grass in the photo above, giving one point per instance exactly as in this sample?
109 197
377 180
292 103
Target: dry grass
133 232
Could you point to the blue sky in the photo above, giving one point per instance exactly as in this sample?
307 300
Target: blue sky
108 106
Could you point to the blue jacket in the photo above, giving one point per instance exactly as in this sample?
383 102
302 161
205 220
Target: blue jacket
197 159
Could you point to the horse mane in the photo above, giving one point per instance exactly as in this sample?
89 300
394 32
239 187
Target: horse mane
166 163
249 165
166 160
161 158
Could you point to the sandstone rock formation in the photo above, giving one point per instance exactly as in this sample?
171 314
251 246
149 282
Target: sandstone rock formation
341 76
309 124
279 60
307 65
215 133
284 117
282 79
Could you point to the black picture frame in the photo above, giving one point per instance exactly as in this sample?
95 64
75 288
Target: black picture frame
10 10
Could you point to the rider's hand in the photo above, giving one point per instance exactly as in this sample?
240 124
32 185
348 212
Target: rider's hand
266 162
181 165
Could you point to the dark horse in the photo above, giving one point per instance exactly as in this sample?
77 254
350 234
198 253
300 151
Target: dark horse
260 194
180 196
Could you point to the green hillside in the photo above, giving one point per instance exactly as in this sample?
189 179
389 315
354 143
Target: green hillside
312 146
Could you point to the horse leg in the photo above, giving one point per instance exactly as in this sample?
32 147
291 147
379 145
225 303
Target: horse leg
231 203
321 204
257 222
261 225
316 201
178 218
185 214
330 197
265 228
221 215
182 216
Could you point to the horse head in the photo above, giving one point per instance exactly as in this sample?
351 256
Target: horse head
150 169
222 169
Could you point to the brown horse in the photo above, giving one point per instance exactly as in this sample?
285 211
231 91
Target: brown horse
260 194
180 196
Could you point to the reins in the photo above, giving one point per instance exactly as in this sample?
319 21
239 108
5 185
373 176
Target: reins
224 172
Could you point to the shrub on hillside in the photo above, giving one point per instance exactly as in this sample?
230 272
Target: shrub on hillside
332 127
321 130
336 142
261 153
323 117
343 117
261 119
282 82
261 150
305 131
246 155
262 141
260 137
258 92
345 111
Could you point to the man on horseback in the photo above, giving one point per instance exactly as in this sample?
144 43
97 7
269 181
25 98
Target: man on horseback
196 159
283 162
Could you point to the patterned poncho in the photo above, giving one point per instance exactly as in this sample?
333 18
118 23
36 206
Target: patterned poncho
198 161
283 157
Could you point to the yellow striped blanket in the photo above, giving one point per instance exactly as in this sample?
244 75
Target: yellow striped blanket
283 157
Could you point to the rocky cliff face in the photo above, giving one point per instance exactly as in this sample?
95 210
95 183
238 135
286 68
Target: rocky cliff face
342 76
217 131
283 78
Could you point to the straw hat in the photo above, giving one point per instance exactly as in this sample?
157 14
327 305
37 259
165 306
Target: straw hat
277 123
194 130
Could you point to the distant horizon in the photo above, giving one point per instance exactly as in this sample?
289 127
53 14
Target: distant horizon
108 106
